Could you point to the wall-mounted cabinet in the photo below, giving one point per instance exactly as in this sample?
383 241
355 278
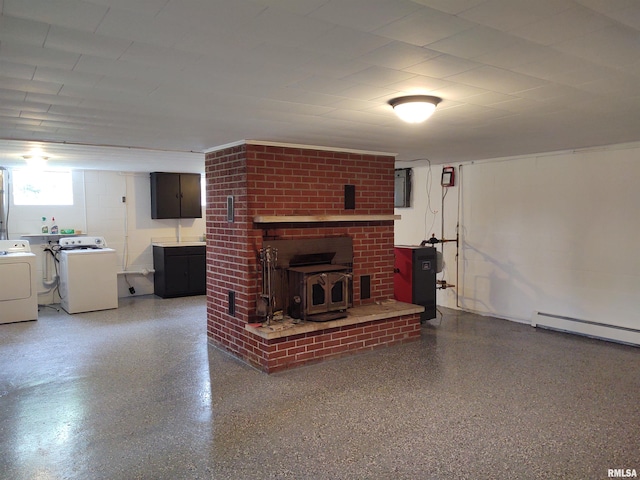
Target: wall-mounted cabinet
179 271
175 195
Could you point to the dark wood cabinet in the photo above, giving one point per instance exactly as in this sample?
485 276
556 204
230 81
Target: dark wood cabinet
179 271
175 195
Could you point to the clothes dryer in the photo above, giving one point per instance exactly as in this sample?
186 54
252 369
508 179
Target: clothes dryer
18 290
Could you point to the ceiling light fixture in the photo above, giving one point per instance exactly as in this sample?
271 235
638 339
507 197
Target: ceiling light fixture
36 161
414 108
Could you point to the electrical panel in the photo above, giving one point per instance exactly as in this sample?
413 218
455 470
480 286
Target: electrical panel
402 192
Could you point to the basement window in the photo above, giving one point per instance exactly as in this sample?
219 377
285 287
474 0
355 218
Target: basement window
36 187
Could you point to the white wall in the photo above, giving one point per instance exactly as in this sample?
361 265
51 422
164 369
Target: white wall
99 210
555 233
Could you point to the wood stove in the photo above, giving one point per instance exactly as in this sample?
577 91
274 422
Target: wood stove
314 277
319 292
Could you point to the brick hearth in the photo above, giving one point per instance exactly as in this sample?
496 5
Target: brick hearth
296 182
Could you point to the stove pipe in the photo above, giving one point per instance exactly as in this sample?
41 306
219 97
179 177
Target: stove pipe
4 203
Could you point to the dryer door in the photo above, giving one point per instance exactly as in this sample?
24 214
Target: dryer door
15 281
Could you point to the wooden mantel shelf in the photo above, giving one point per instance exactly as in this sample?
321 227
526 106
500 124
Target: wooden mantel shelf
322 218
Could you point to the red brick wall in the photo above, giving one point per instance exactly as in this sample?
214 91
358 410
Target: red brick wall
336 342
231 260
280 180
301 181
297 181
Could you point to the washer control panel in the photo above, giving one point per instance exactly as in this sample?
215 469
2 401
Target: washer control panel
69 243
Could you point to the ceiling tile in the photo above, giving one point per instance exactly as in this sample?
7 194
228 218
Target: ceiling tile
201 40
179 17
285 28
17 70
419 85
145 54
454 7
606 6
76 41
424 27
346 43
37 56
122 69
126 85
365 15
497 80
302 7
149 7
473 42
556 65
489 98
330 66
459 92
287 56
519 105
628 16
621 86
52 99
26 32
443 66
500 14
77 14
320 84
29 85
363 117
520 52
509 15
566 25
368 92
559 94
22 106
140 27
351 104
614 46
379 76
66 77
398 55
10 95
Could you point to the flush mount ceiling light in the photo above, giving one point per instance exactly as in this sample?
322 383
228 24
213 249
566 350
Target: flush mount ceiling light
414 108
36 161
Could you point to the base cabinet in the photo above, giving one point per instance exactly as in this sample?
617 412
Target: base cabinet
179 271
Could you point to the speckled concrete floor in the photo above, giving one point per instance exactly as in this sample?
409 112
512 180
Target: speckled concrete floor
137 393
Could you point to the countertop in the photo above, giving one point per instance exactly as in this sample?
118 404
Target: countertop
179 244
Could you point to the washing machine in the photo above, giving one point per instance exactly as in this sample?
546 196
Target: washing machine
18 290
88 275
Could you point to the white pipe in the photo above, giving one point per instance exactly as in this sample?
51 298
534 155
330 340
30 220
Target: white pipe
84 194
52 283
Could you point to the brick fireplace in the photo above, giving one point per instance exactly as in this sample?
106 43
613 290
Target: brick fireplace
260 192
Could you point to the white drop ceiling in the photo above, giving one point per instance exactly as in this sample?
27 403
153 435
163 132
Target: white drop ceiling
164 80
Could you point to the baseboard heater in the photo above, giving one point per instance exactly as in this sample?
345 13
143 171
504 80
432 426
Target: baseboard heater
630 336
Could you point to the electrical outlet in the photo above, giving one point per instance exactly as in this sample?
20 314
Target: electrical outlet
124 199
